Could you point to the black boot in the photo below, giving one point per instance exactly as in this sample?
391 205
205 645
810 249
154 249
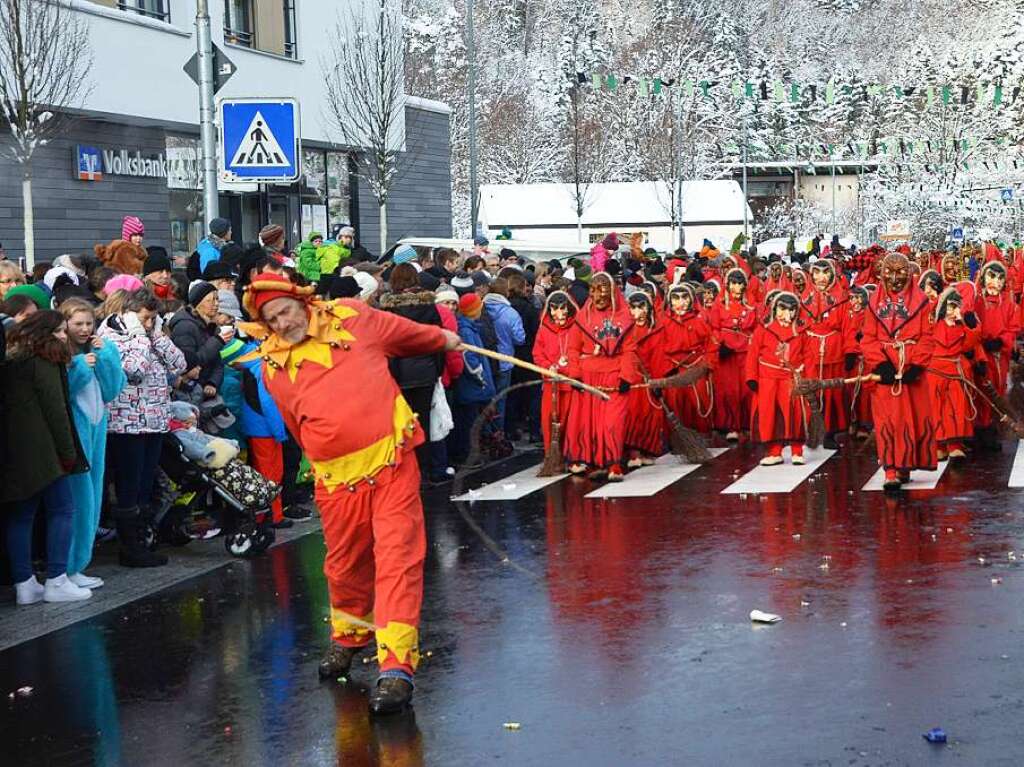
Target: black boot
830 441
133 551
337 661
391 696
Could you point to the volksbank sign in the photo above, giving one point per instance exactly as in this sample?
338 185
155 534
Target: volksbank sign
93 163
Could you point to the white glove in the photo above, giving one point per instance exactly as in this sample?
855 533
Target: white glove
132 324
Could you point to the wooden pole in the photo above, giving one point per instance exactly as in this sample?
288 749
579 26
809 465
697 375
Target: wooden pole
534 368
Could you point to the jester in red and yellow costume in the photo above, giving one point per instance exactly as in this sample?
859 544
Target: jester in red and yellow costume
957 357
360 448
1000 323
646 425
897 346
551 351
689 343
830 343
733 320
778 353
602 353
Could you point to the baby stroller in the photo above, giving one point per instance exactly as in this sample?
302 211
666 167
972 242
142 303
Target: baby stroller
247 531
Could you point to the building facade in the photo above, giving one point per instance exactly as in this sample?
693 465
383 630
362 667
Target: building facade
134 149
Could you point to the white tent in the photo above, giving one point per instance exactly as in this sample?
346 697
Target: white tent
547 212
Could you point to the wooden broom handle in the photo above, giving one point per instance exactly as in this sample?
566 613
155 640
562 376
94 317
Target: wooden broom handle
535 368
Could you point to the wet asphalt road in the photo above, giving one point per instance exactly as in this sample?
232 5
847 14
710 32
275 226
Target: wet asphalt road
621 637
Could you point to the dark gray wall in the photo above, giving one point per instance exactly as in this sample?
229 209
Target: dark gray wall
421 200
72 215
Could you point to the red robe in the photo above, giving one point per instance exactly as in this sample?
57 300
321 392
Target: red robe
776 353
905 429
999 318
829 338
646 425
953 401
733 322
858 395
551 350
602 352
689 341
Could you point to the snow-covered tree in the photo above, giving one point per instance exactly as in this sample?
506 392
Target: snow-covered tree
45 60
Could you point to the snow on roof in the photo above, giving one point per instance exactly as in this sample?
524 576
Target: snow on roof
633 202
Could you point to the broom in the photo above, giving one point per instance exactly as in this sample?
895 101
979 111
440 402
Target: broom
554 463
682 441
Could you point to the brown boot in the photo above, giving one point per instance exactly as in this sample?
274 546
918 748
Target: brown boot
391 696
337 661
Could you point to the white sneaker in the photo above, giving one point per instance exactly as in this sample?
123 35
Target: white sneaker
771 460
29 592
799 460
732 436
85 581
62 589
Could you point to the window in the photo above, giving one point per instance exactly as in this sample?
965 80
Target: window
265 25
238 29
154 9
326 191
339 196
289 28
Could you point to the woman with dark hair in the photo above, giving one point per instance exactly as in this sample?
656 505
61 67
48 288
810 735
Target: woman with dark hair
38 420
139 416
415 376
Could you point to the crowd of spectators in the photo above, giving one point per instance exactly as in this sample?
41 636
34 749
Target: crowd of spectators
97 350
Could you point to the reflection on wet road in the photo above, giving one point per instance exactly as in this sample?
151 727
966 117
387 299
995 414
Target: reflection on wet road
632 646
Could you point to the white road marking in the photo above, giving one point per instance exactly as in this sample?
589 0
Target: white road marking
511 488
919 480
649 480
783 478
1017 473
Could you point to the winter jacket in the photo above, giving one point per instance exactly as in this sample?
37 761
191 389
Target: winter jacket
530 317
151 362
200 343
308 265
508 326
330 255
209 251
476 384
452 360
91 389
418 306
38 430
260 416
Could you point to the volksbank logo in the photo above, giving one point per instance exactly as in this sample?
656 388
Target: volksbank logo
92 163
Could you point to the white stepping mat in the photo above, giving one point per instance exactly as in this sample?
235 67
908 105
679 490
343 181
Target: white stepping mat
919 480
511 488
783 478
1017 473
649 480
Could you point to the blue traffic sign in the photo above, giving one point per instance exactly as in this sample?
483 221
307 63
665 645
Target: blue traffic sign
259 140
957 234
1007 195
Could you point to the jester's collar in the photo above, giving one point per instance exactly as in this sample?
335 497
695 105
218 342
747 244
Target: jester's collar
325 333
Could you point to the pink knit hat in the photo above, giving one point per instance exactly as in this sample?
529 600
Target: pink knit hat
131 225
122 282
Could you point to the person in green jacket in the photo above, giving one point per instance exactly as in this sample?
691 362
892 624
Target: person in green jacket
41 452
308 264
335 252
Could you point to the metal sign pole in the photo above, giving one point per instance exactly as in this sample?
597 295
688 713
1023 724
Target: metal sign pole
207 130
474 210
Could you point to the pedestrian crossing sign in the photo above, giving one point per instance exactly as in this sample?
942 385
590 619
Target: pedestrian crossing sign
259 140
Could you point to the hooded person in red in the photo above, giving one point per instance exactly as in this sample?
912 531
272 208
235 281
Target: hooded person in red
777 279
602 353
830 343
778 353
860 393
733 320
689 342
551 351
897 345
645 420
957 355
999 318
